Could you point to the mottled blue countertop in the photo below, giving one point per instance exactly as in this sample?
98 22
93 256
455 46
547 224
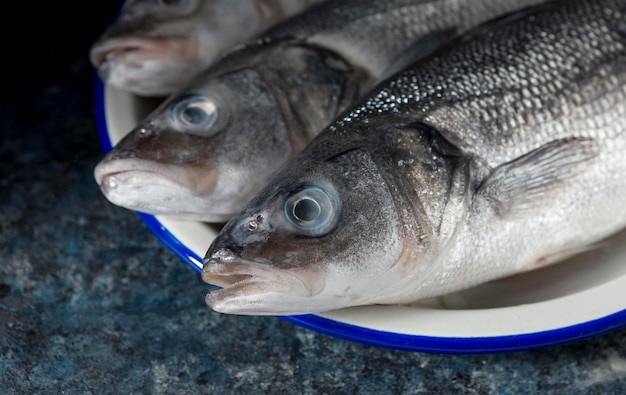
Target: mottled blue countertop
92 303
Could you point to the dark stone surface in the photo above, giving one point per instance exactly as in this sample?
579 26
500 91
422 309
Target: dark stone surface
92 303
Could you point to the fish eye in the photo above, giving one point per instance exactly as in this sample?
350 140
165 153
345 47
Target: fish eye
179 5
173 3
312 211
197 114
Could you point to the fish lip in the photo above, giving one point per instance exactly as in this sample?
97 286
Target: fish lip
104 51
112 179
233 272
228 274
223 273
201 182
106 170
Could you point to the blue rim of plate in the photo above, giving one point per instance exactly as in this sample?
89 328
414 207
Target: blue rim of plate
399 341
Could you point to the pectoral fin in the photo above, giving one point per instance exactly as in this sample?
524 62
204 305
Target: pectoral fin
523 184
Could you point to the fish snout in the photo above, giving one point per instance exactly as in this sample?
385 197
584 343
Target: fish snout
223 249
220 254
223 267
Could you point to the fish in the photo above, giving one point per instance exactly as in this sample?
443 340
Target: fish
155 47
208 149
502 153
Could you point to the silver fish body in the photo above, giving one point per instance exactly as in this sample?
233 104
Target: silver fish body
212 146
503 153
155 47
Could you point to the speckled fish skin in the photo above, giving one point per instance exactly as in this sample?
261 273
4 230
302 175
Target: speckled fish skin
503 153
271 97
155 47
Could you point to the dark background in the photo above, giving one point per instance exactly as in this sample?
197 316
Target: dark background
91 302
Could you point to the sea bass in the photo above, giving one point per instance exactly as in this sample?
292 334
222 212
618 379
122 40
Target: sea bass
207 150
503 153
155 47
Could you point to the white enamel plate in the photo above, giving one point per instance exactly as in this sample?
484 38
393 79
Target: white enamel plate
572 300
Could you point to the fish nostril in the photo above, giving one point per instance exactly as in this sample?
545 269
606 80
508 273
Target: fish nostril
254 223
144 132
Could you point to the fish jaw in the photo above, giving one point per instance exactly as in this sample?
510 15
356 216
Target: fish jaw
150 187
255 288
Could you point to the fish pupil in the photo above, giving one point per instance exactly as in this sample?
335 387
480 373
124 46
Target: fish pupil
194 115
312 211
197 114
306 209
171 2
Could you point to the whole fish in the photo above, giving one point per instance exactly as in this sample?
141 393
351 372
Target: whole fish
207 150
503 153
155 47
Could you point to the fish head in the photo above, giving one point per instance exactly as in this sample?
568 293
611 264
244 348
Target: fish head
202 153
152 48
323 235
207 150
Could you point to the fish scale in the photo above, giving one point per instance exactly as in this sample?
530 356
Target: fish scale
581 101
528 73
500 154
270 97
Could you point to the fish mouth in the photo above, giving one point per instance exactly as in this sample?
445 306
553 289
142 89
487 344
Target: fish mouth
229 272
147 67
133 52
117 176
253 288
238 273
